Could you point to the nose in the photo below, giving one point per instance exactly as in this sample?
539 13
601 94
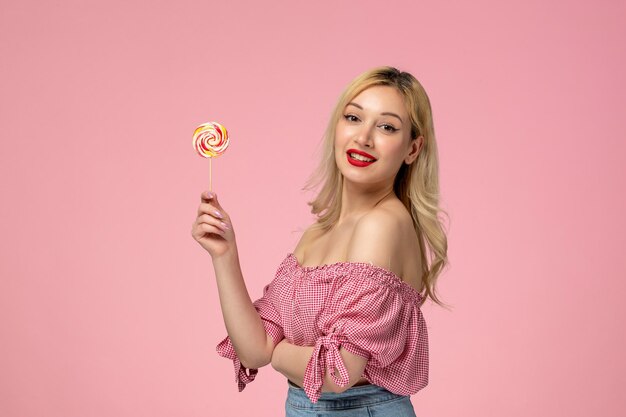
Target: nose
364 136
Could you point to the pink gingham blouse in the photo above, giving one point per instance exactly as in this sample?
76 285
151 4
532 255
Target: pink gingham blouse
365 308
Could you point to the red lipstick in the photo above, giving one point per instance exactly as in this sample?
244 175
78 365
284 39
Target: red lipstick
358 163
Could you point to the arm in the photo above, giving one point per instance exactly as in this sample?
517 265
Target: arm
213 230
250 337
291 361
243 323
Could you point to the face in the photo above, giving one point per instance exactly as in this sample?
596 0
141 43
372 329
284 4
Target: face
373 137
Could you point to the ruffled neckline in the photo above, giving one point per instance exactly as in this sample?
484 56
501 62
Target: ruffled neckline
384 275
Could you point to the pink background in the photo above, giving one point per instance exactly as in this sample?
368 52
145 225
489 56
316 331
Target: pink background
108 307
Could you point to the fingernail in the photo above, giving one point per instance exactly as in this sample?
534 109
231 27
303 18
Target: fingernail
218 214
225 225
210 194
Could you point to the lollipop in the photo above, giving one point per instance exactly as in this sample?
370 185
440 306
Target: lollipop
210 140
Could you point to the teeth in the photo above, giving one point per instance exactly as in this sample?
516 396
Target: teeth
360 157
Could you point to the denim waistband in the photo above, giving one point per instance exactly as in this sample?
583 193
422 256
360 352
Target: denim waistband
353 397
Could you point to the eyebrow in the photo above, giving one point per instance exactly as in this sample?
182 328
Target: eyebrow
383 114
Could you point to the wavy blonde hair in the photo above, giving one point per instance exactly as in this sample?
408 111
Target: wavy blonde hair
416 185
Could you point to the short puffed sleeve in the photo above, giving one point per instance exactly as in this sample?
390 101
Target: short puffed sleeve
375 315
272 322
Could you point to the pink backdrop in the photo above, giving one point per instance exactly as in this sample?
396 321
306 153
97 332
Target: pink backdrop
108 307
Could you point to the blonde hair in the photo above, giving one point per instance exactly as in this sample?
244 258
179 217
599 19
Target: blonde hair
416 185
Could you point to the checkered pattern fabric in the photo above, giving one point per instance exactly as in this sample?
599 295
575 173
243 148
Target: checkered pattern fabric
365 308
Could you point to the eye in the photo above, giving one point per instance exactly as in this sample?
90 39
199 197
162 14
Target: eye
348 117
391 128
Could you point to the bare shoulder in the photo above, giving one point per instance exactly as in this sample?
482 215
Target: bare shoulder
311 233
380 237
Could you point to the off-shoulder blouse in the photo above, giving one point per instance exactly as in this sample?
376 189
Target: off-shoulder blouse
365 308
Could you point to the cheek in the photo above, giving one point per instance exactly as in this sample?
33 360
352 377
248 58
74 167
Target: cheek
339 144
340 129
341 137
392 148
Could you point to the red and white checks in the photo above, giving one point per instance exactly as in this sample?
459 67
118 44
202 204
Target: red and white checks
366 309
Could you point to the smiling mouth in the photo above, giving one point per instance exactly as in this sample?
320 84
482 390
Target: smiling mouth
359 160
360 157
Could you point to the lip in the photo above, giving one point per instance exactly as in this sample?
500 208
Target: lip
365 154
356 162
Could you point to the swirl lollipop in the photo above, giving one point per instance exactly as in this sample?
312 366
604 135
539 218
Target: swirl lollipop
210 140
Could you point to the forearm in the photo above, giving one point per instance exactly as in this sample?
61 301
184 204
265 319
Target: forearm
292 360
243 323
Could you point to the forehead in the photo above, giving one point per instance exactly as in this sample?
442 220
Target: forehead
381 98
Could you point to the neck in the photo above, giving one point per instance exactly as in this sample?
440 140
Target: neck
358 199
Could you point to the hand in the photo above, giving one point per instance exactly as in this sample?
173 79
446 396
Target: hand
213 229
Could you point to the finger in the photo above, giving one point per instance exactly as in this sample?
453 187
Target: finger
207 228
206 196
210 209
203 226
206 208
207 219
216 202
211 196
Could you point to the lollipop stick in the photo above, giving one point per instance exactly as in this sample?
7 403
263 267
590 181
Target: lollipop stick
210 179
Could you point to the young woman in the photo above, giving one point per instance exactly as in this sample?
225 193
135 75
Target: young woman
341 319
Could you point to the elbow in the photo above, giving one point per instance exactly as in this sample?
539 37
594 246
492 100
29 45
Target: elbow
264 362
257 361
246 363
260 358
254 363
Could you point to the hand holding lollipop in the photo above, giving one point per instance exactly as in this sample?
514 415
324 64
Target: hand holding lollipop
213 228
210 140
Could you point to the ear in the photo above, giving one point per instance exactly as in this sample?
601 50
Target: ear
414 149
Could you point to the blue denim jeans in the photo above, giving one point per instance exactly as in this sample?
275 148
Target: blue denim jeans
363 400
